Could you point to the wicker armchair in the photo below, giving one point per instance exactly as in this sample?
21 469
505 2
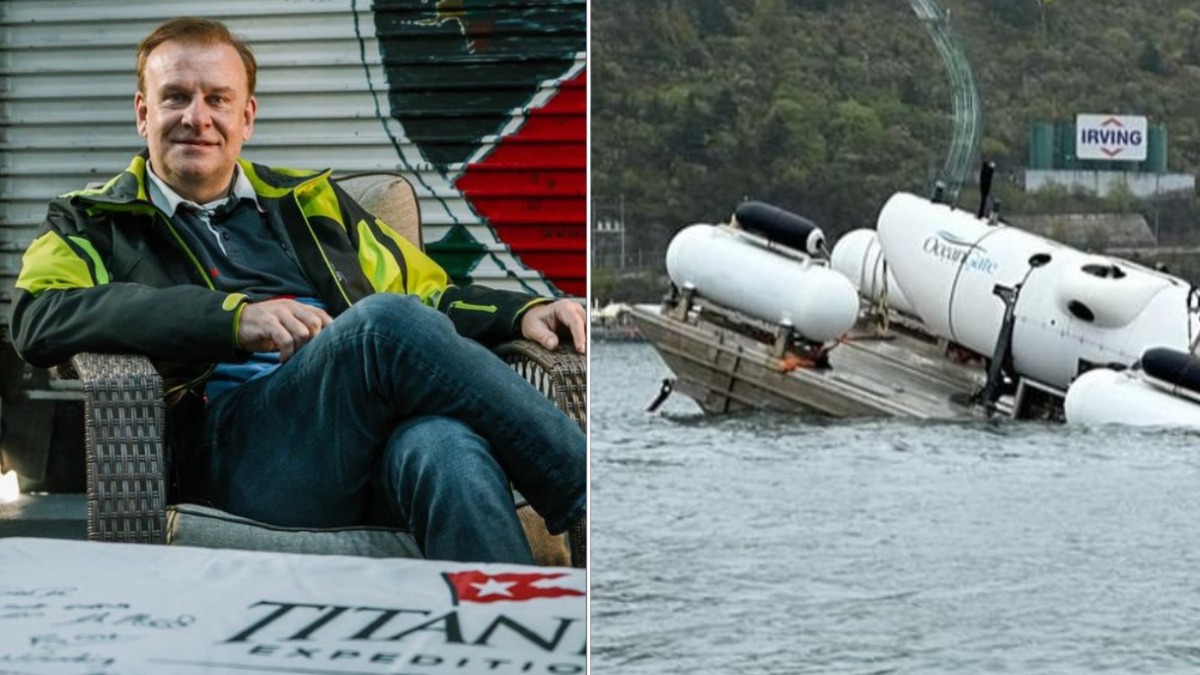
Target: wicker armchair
127 456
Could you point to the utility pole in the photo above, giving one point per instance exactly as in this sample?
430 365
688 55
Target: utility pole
622 216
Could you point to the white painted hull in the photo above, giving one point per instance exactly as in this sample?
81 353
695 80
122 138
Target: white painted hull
859 256
947 262
733 270
1105 396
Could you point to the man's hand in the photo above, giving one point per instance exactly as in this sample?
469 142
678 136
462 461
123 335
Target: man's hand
545 323
282 326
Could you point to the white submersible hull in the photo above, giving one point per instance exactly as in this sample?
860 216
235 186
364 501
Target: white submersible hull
1074 310
778 285
1162 390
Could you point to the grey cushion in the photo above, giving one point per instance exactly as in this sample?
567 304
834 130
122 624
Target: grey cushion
194 525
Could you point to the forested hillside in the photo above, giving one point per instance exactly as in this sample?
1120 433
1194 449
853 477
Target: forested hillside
826 107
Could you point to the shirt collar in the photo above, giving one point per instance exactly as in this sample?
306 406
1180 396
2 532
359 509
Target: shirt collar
168 200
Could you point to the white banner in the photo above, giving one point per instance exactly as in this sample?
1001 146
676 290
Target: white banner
84 608
1114 138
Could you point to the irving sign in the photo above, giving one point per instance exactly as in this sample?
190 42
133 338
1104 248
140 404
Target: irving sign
1112 138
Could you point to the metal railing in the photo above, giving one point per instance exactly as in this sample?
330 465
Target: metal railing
968 113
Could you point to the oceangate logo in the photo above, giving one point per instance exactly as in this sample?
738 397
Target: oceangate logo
958 251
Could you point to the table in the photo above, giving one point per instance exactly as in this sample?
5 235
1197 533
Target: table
54 516
90 608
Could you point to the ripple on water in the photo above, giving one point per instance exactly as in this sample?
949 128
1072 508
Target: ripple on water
763 543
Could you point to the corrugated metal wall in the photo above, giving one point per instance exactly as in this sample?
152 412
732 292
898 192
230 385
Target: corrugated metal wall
483 102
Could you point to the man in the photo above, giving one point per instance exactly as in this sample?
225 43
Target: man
342 376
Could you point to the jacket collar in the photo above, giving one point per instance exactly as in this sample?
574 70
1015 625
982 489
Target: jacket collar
167 200
129 190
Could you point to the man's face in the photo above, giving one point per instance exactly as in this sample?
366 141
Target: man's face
195 115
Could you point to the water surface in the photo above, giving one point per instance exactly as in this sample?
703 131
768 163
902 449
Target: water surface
767 543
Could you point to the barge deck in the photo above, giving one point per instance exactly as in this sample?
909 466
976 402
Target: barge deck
727 362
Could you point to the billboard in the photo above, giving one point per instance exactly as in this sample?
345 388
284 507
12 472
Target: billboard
1112 138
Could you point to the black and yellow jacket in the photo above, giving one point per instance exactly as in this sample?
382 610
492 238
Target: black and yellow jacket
109 272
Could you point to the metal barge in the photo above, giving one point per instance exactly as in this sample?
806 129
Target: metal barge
886 366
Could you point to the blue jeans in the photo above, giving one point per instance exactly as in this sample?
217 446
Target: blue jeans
388 415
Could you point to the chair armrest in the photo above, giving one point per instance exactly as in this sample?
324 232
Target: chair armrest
560 376
124 427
